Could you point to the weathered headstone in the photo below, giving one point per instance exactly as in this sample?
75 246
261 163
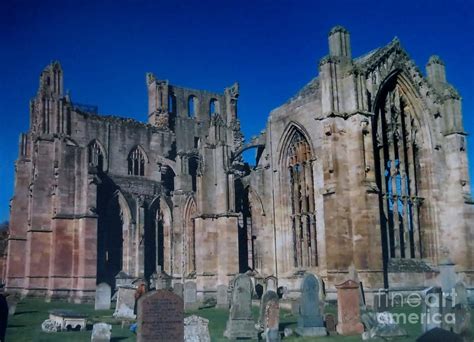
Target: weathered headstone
269 295
125 303
271 283
310 320
447 274
240 323
431 307
161 280
348 308
123 279
101 332
381 325
196 329
381 301
222 298
178 289
330 321
462 313
50 326
160 317
102 297
12 301
190 296
271 320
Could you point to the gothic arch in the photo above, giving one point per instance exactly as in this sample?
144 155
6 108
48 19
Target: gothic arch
190 211
137 161
402 138
296 157
97 155
160 230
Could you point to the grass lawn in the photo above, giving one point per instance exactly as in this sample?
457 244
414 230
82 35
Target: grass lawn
25 325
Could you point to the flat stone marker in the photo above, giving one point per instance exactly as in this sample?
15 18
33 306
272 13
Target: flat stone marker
196 329
222 298
272 319
101 332
240 323
190 296
348 301
160 317
102 297
310 320
125 303
269 295
178 289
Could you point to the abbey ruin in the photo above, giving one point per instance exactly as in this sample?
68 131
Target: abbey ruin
366 166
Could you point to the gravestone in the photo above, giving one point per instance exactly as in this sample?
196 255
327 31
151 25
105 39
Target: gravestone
381 301
160 317
102 297
439 335
271 320
271 284
178 289
190 296
431 307
310 320
348 308
447 275
196 329
125 303
263 305
240 323
160 279
330 321
123 279
12 301
381 325
222 298
101 332
462 313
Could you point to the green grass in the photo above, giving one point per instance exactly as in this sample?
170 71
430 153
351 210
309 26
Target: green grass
25 325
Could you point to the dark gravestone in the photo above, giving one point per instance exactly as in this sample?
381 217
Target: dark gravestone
160 317
3 317
381 301
439 335
330 321
310 321
272 319
259 290
240 323
269 295
178 289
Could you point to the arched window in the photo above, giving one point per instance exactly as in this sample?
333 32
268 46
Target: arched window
193 169
192 106
171 103
96 155
301 190
190 233
136 162
214 107
396 156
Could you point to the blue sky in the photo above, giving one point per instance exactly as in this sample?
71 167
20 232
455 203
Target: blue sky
271 47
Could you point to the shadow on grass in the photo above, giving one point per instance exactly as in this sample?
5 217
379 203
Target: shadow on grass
25 312
16 326
113 339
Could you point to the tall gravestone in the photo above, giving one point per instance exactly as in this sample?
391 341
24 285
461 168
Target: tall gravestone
310 320
431 307
178 289
271 284
190 296
102 297
271 319
160 317
269 295
222 298
240 323
196 329
125 303
348 309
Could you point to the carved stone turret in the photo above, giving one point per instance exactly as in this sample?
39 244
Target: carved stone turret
339 42
435 70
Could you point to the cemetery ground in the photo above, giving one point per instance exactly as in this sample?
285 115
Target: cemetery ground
25 325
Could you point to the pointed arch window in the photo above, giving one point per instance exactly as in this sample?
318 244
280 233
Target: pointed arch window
192 106
398 167
213 107
96 156
190 213
303 220
136 162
